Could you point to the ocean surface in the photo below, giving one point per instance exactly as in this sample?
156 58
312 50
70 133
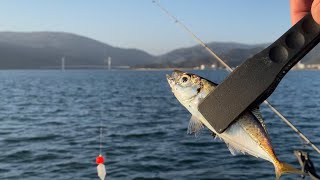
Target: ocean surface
50 127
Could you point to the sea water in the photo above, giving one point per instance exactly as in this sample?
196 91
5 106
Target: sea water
50 127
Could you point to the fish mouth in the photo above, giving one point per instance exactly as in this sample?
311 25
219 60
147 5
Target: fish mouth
170 80
169 77
174 76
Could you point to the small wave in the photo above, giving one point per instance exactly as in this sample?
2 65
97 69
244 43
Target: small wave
145 134
44 157
32 139
51 123
19 156
183 161
197 144
73 166
4 170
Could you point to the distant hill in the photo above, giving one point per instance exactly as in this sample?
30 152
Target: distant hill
45 49
34 50
313 57
232 53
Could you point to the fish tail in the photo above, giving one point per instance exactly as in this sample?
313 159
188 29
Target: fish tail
284 168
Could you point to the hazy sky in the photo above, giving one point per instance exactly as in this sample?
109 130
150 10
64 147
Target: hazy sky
141 24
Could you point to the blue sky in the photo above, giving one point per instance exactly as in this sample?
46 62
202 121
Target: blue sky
140 24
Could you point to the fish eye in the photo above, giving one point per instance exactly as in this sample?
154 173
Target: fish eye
185 78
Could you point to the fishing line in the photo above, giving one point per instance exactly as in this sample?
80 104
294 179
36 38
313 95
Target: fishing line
193 35
101 133
101 170
229 69
101 137
102 128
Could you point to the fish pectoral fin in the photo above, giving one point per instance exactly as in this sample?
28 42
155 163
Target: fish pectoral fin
234 151
195 126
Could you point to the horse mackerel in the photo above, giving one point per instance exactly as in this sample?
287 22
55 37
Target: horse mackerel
248 135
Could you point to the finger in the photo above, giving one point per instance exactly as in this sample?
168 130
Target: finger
315 10
298 9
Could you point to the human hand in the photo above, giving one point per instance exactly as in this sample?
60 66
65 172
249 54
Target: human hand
299 8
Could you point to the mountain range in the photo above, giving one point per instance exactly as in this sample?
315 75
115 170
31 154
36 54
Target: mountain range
34 50
45 49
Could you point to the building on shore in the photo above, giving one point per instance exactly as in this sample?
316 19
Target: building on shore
312 66
301 66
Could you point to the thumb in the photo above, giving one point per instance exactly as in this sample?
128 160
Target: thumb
315 10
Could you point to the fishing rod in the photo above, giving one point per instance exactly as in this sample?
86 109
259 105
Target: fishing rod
229 69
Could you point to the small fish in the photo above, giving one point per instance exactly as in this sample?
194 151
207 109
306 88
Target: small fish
248 135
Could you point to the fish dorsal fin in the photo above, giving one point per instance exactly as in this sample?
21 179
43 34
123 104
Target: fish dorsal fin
234 151
256 112
195 126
